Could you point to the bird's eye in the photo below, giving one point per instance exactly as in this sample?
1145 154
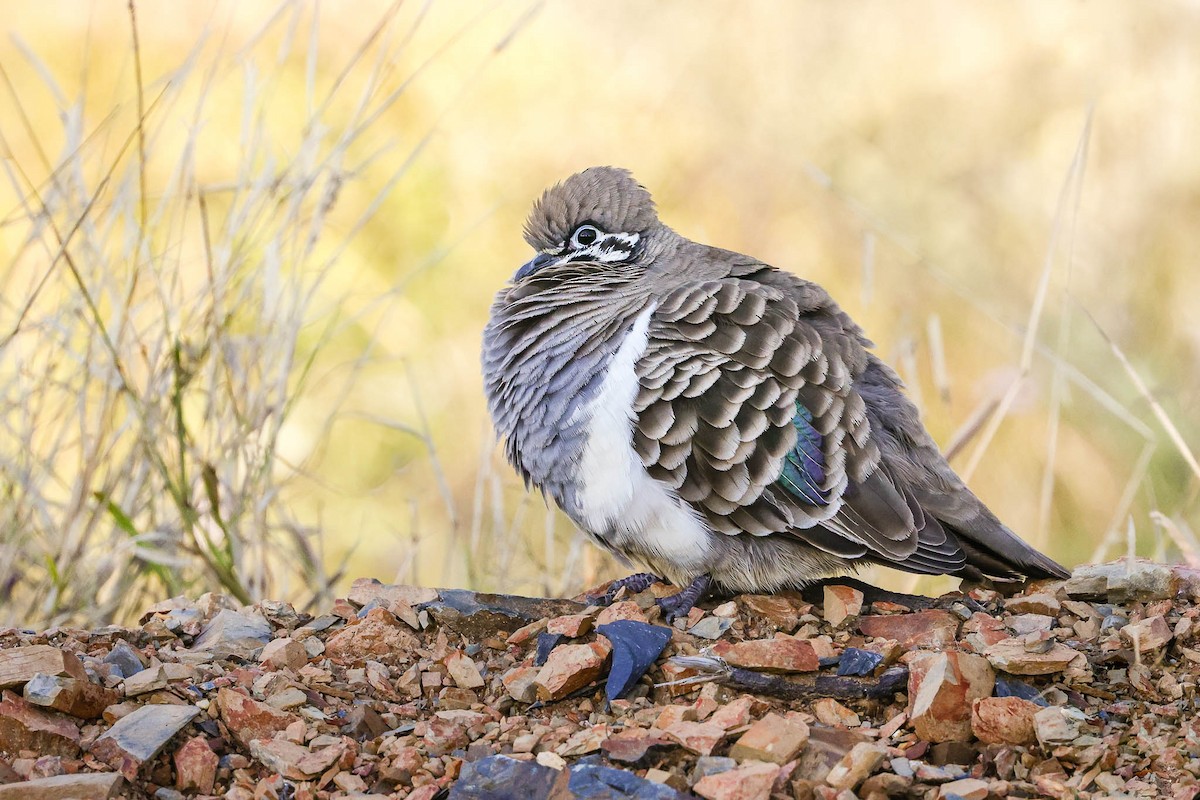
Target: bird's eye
585 235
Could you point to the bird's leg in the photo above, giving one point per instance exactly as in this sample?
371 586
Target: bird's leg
638 582
678 605
814 593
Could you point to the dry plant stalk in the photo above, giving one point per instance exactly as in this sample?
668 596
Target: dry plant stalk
156 333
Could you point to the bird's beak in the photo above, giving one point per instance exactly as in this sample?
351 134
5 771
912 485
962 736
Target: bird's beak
533 265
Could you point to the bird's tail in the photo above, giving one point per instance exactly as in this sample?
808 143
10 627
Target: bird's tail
991 548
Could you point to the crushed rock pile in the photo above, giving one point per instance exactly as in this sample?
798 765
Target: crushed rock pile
1077 688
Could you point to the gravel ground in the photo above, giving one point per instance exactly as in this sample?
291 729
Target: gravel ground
1078 688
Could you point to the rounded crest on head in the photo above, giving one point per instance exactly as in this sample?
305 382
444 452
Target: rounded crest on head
607 196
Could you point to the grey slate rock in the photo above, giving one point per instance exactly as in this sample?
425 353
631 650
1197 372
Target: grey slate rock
139 736
1122 580
503 778
711 627
1011 687
592 781
712 765
636 646
234 633
856 661
178 619
124 659
478 615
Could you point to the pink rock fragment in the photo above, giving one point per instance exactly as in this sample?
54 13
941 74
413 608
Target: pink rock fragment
463 671
379 636
941 689
1012 656
570 625
831 712
26 727
783 654
519 682
571 667
1147 635
773 738
1041 603
733 714
749 781
929 628
1003 720
699 737
283 653
247 719
842 603
626 609
195 766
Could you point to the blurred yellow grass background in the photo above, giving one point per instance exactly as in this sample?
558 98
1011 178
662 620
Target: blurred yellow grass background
293 259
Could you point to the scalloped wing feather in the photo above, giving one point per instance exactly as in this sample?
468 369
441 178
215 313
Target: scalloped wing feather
747 407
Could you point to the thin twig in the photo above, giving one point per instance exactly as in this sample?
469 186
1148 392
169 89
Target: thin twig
1070 192
1172 432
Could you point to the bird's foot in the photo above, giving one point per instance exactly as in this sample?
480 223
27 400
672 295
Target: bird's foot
678 605
638 582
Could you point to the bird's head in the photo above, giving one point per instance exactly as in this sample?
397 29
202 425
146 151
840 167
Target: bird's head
600 216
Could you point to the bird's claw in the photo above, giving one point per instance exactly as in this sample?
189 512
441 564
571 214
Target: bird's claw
638 582
674 608
678 605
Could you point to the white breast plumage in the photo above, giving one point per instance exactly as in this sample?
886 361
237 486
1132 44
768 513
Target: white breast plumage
617 499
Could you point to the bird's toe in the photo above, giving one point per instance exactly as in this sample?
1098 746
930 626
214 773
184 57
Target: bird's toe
678 605
638 582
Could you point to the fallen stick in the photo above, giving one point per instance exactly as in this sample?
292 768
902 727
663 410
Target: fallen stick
835 686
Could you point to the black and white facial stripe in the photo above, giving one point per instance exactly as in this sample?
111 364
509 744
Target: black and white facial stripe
589 243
